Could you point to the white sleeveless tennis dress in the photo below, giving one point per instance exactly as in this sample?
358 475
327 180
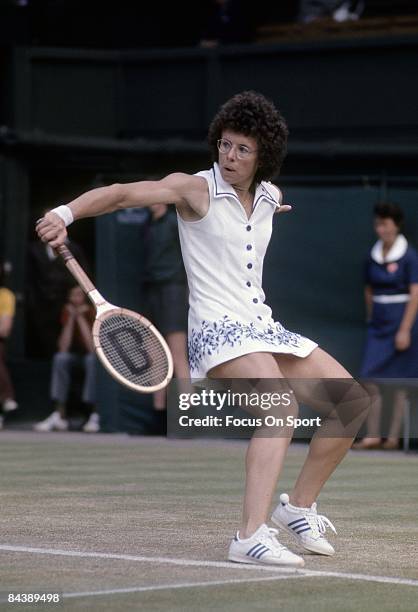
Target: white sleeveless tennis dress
223 255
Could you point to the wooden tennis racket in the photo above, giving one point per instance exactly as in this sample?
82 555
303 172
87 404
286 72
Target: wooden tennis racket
131 349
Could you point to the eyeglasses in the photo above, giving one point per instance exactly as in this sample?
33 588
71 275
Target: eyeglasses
243 152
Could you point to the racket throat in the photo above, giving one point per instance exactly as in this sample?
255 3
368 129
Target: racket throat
99 302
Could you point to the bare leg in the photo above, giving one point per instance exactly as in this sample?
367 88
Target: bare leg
265 455
399 402
374 416
326 449
373 438
264 463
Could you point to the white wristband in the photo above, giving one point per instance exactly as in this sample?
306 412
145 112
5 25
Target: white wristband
65 213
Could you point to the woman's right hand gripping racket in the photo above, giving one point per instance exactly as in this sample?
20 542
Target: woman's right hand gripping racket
128 345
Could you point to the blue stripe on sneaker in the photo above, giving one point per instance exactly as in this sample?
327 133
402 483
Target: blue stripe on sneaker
302 526
297 527
301 529
262 552
303 519
298 531
254 550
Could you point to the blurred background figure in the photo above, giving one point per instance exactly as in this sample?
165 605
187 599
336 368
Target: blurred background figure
391 295
166 295
48 282
75 349
339 10
7 313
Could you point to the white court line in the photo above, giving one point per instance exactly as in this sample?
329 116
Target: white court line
178 585
364 577
169 560
287 572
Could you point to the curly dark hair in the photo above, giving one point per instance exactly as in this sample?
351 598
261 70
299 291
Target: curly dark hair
388 210
252 114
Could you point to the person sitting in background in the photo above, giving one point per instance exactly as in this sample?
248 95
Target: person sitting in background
7 312
391 296
75 348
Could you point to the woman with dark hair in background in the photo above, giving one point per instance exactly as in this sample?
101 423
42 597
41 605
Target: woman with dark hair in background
391 295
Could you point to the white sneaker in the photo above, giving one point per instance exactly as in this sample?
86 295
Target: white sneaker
305 525
263 547
93 424
9 405
53 423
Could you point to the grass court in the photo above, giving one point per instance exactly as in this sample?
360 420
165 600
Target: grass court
116 522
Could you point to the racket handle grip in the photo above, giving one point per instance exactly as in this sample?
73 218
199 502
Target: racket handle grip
75 269
65 253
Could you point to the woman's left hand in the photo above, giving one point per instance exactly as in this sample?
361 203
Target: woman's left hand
402 340
283 208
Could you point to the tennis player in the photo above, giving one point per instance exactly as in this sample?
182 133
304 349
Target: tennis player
225 224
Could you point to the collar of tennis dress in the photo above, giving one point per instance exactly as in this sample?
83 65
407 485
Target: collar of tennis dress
263 191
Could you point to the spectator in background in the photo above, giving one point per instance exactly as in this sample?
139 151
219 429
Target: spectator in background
391 296
7 312
166 294
75 347
48 283
226 22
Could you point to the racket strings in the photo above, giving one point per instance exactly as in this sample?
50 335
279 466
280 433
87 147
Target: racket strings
133 350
